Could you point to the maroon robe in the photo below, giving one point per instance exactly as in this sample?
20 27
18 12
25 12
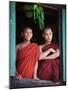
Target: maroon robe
49 69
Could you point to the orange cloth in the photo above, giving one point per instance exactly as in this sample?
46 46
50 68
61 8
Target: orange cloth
26 60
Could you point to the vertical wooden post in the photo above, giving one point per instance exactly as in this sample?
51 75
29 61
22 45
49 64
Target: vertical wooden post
12 33
64 42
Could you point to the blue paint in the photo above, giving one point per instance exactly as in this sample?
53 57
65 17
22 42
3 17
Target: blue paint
12 42
64 42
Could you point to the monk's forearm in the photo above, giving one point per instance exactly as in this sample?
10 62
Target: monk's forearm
53 56
35 70
44 54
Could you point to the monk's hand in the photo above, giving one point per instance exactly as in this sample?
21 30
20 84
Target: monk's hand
52 50
19 77
36 78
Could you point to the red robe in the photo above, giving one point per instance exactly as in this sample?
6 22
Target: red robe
49 69
26 60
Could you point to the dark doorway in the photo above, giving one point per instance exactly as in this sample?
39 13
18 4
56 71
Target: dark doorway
51 19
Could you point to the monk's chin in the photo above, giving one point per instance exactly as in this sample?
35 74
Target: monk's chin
49 41
28 39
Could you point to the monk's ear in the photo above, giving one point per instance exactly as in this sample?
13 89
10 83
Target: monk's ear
21 34
42 35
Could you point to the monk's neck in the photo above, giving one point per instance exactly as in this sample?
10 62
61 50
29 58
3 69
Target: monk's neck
47 43
26 42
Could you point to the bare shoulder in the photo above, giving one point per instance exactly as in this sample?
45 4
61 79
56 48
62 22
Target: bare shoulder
18 46
41 46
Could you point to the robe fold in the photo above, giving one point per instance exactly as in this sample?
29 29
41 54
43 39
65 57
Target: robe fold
26 60
49 69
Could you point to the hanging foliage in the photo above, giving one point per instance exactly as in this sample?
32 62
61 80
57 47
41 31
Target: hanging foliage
35 11
39 15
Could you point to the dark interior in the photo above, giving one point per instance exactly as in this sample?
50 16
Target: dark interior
51 19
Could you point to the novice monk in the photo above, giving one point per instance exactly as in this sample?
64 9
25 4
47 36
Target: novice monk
27 56
49 66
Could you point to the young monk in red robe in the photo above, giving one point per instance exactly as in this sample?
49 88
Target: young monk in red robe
49 66
27 56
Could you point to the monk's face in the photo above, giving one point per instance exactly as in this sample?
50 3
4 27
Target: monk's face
48 34
27 34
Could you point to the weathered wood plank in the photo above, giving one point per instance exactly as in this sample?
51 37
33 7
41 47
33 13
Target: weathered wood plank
29 83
